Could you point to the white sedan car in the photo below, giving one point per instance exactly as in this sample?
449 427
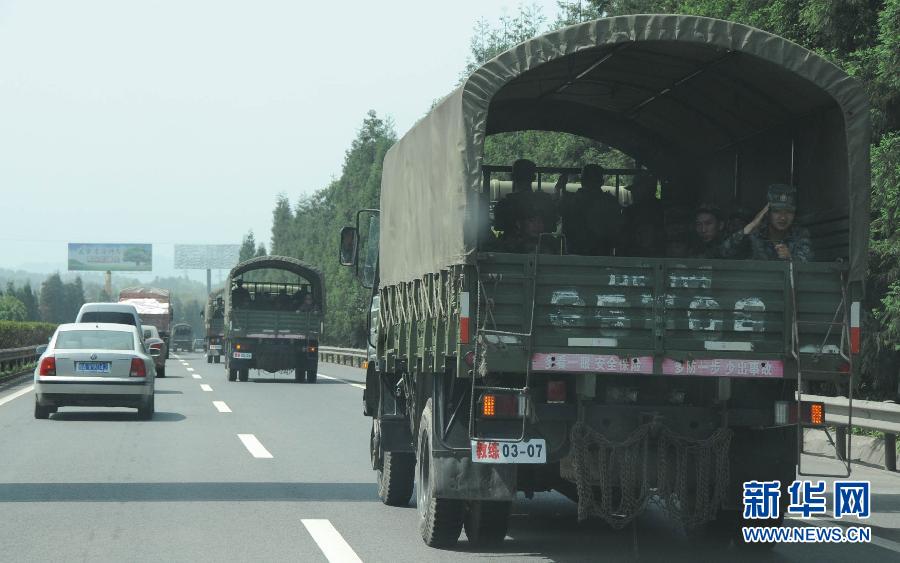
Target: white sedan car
95 365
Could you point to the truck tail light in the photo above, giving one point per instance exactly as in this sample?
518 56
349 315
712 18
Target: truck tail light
816 413
312 348
810 413
499 405
48 366
854 328
464 317
556 391
137 368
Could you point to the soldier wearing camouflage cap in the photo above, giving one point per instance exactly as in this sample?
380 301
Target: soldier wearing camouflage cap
775 237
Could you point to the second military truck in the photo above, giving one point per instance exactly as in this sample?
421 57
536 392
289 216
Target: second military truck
273 325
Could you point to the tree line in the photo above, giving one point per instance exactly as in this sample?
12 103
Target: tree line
860 36
55 302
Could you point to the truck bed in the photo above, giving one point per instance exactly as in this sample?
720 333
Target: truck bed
659 316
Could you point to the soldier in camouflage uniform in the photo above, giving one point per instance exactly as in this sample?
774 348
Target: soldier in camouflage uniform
774 237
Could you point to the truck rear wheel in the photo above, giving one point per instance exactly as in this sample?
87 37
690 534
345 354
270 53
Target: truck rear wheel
440 520
486 522
209 359
232 374
395 471
311 375
299 375
216 359
244 374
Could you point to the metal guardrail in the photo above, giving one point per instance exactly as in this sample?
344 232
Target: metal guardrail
15 359
870 415
344 356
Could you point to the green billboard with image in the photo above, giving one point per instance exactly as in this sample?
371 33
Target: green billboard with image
110 257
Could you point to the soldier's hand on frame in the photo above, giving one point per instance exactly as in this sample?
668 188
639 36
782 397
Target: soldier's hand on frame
752 225
561 183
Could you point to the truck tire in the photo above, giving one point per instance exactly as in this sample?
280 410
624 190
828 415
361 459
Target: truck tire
299 375
244 374
486 522
395 472
161 372
440 520
216 359
232 374
312 375
209 359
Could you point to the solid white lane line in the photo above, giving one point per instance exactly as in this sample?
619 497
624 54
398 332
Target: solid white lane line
221 406
196 376
254 446
205 387
330 541
16 394
347 381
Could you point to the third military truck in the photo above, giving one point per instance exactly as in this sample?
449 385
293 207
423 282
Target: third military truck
214 320
274 317
613 379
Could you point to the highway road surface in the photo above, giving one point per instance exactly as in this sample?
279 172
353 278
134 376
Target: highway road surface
272 470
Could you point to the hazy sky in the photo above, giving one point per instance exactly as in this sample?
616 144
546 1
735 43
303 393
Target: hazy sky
179 121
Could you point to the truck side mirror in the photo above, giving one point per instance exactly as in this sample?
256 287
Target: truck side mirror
349 245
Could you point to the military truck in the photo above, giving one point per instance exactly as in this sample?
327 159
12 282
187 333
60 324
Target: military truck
182 337
214 319
613 379
273 325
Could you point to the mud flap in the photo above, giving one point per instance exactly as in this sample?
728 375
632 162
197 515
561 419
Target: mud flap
461 478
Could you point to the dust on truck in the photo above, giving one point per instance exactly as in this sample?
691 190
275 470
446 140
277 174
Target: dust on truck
154 307
214 319
273 325
613 379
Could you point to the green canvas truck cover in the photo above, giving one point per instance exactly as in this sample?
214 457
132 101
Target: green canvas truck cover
689 96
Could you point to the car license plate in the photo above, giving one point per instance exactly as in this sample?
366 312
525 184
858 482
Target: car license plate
242 355
215 347
526 451
92 367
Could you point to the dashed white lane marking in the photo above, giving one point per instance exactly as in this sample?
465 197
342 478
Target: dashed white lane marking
347 381
190 369
16 394
221 406
330 541
254 446
205 387
196 376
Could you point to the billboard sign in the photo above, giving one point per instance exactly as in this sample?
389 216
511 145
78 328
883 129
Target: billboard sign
110 257
206 256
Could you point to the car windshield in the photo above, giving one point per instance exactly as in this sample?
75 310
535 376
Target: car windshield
94 340
115 317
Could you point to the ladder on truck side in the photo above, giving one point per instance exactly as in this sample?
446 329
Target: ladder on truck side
843 311
522 394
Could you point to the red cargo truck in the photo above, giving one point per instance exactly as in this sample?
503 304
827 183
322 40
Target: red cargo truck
154 307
